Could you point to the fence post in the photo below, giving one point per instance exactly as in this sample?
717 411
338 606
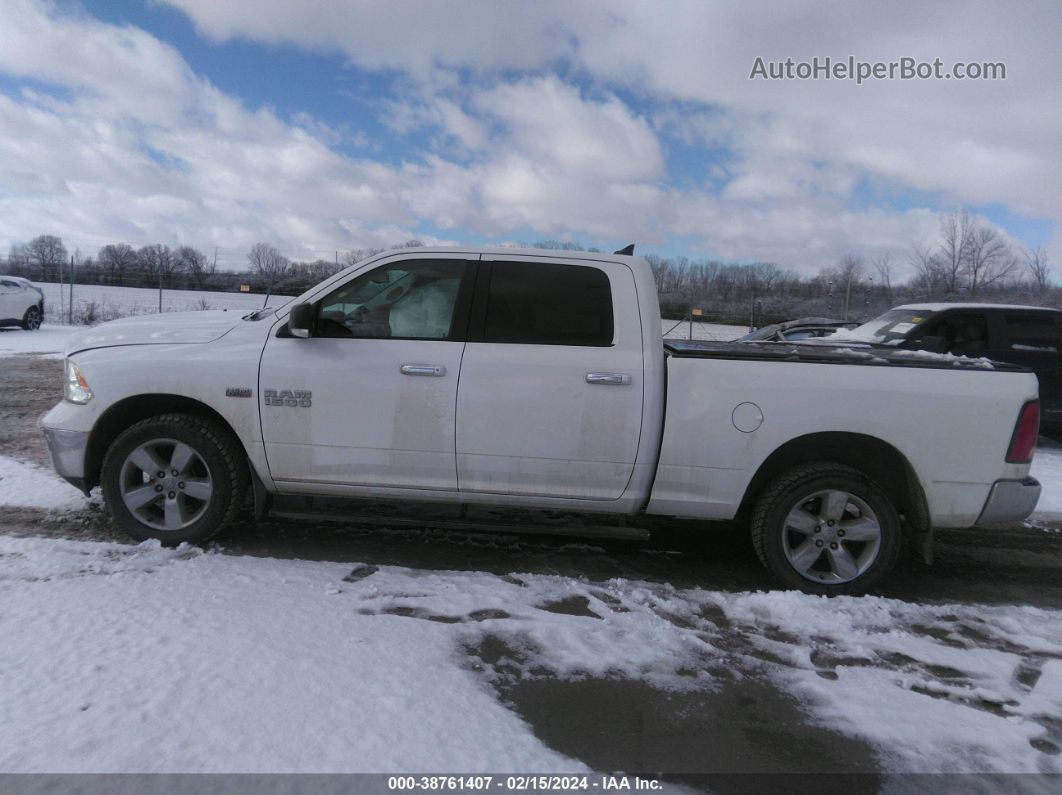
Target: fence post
70 303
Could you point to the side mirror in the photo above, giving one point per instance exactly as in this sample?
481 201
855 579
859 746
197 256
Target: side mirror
300 320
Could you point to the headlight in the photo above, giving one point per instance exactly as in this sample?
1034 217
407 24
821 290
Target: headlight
76 387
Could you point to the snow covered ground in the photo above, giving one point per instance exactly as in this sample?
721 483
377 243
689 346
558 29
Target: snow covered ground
137 658
25 485
49 340
1047 468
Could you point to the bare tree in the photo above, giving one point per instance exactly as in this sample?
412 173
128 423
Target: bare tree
950 259
767 274
988 257
551 245
662 269
157 263
926 267
847 276
195 263
47 253
884 267
358 254
1038 267
317 271
269 264
117 261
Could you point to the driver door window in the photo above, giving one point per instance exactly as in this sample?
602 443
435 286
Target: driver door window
406 300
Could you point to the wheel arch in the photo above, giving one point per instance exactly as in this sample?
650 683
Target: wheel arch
131 410
875 458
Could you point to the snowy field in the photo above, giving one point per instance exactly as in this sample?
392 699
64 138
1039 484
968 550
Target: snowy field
111 301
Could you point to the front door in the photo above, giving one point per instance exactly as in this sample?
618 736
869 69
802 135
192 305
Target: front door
550 400
10 295
369 399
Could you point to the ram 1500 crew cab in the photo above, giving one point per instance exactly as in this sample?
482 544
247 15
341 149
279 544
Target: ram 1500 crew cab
506 377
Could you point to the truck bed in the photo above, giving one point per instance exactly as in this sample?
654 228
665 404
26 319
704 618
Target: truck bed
818 353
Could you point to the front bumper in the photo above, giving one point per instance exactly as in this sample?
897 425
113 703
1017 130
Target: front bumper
1010 501
67 449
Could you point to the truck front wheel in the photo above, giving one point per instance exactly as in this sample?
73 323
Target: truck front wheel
826 529
175 478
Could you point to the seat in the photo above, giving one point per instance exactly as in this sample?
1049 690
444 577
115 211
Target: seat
970 339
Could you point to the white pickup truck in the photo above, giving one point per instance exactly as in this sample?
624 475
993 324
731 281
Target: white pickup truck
507 377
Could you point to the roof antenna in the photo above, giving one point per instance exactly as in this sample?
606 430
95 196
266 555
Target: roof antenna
627 251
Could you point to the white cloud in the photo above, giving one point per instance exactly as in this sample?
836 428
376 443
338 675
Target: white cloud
137 146
977 141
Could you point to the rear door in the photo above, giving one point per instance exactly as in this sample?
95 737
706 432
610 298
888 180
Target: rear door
1032 339
550 398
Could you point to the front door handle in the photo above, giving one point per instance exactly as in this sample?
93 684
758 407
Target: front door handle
614 379
436 370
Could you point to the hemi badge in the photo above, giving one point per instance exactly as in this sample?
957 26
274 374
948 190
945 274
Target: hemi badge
237 391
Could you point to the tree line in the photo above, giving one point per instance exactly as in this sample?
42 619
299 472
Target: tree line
968 259
46 259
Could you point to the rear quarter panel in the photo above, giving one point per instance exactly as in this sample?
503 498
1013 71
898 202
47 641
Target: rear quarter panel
952 426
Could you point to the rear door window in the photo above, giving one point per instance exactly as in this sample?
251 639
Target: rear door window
548 304
1032 333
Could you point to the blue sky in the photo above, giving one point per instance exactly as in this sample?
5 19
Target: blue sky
321 126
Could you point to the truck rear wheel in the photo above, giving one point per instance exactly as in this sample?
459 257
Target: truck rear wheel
826 529
175 478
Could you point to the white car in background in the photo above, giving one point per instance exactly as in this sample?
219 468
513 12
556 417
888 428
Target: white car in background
21 303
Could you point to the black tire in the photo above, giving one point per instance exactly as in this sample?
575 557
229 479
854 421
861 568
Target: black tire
773 538
31 321
217 450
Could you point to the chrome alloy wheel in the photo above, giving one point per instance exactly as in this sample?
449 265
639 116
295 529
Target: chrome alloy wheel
33 318
831 536
166 484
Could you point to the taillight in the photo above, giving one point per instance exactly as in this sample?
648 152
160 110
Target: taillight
1023 441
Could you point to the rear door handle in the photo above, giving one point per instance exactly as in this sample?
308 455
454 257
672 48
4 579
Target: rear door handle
436 370
613 379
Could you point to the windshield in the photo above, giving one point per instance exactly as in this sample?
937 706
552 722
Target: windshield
887 329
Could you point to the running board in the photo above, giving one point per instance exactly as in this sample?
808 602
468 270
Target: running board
472 525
